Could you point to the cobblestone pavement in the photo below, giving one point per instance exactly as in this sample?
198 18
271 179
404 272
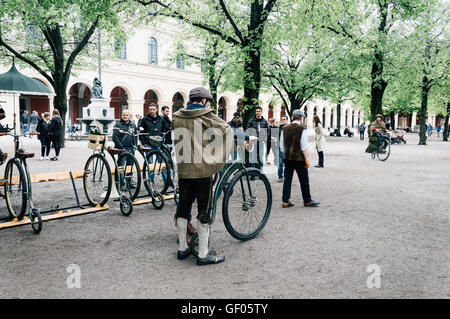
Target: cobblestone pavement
392 214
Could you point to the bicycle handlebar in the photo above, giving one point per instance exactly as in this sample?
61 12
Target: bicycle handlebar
129 133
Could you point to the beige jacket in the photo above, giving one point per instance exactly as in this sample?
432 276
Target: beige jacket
319 138
198 153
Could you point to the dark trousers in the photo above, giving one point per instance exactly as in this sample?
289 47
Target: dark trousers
45 146
55 140
195 189
302 173
361 136
320 158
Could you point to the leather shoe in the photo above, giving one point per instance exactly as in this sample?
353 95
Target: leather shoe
183 254
211 258
317 166
287 205
312 204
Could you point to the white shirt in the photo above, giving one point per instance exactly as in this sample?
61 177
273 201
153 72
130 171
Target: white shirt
303 139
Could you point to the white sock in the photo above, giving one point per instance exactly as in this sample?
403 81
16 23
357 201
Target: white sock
203 239
182 231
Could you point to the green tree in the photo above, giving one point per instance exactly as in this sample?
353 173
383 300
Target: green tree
368 26
51 35
424 61
246 21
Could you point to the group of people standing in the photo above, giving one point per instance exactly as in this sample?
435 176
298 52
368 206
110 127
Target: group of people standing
50 129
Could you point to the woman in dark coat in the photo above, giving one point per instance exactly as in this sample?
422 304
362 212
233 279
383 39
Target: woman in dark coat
54 132
42 128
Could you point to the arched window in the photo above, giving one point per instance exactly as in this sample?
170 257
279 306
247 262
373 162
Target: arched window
121 47
152 51
180 62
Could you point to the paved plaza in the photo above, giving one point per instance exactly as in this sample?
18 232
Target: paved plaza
391 216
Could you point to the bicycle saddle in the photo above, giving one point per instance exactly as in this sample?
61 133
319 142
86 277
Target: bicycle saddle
22 154
114 151
144 149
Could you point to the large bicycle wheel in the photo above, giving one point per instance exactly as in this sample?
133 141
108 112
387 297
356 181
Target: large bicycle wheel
97 180
130 175
384 150
246 213
15 189
156 174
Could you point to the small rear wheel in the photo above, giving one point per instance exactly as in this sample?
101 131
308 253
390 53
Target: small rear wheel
126 206
157 200
36 220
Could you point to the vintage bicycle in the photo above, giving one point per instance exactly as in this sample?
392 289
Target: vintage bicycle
382 151
17 185
246 204
147 169
163 175
97 176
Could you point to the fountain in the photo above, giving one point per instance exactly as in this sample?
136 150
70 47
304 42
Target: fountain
98 111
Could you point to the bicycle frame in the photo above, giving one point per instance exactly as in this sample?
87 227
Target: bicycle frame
237 165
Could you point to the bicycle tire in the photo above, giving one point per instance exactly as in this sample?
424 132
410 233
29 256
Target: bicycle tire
158 204
161 186
104 192
18 207
36 220
387 146
126 206
230 225
127 157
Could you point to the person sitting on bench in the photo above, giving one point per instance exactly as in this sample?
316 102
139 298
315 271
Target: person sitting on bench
348 132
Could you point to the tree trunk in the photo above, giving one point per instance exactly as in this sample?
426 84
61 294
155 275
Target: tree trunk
446 123
60 103
377 88
252 83
423 112
338 108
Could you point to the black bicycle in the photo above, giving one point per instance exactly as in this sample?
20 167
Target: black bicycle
163 173
146 172
17 185
382 151
97 177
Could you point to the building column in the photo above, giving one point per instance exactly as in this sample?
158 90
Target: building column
396 117
328 117
413 122
310 115
136 106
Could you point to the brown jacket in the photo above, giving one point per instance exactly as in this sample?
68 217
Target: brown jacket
292 134
379 126
197 155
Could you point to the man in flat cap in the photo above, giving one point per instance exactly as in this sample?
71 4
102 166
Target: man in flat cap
196 166
294 145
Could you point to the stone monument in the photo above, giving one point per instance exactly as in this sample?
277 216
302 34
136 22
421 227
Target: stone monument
98 111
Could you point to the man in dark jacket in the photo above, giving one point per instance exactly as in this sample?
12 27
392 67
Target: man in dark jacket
258 126
165 115
125 141
122 140
153 124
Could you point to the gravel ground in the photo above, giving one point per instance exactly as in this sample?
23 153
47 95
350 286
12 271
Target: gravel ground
393 214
